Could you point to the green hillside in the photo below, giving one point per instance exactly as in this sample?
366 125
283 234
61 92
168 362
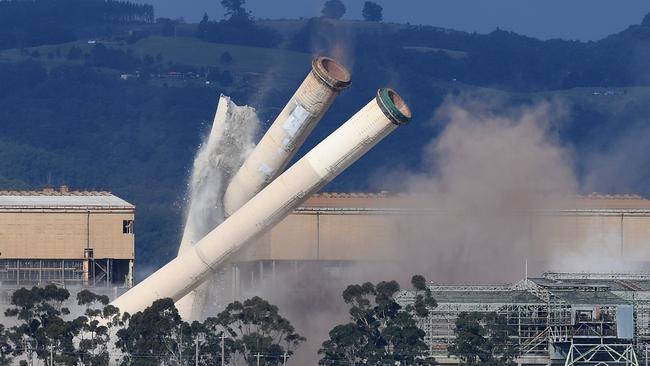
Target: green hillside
182 50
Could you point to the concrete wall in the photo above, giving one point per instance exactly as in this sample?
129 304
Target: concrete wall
354 228
64 234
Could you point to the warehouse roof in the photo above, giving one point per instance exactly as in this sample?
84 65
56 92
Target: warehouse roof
617 282
590 298
388 200
477 294
61 198
485 297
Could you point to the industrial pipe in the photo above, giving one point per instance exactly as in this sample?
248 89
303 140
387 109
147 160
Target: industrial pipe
318 167
288 132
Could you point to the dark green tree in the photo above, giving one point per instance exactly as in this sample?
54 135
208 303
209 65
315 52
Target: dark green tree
155 335
423 298
204 27
255 326
379 330
235 10
483 339
504 346
470 344
6 349
225 58
333 9
372 11
208 337
41 326
97 324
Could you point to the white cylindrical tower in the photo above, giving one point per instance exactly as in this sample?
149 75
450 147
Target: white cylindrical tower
288 132
318 167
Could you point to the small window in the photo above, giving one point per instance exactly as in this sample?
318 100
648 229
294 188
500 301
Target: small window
127 226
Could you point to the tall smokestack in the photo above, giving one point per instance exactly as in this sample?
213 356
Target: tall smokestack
288 132
318 167
274 151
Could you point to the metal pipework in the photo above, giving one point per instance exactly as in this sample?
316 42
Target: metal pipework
288 132
318 167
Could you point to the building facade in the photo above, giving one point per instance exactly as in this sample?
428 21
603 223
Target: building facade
66 238
340 229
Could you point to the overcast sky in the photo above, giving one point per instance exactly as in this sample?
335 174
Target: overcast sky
569 19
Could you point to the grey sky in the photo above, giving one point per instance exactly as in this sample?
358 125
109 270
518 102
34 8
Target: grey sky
570 19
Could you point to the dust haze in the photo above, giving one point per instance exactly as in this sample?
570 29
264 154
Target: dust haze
481 179
480 174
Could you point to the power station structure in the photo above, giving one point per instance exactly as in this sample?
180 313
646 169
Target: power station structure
258 198
194 265
335 230
556 319
274 151
69 238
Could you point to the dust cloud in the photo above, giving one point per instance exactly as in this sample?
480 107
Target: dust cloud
481 173
217 160
483 176
223 151
483 195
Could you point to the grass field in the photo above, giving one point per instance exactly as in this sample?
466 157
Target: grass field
188 51
192 51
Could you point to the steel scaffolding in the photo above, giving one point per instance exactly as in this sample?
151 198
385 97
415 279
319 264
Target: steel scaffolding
572 318
62 272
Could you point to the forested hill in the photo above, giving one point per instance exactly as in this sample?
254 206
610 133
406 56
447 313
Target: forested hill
31 23
100 94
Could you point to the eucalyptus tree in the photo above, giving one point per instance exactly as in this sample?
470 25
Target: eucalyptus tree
380 331
42 330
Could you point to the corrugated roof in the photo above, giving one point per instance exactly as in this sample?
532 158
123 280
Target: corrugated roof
484 297
387 200
63 197
612 284
590 298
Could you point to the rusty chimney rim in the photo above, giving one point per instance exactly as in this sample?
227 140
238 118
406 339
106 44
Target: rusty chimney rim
330 72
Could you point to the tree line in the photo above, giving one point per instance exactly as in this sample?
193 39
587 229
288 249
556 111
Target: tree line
47 331
249 332
38 22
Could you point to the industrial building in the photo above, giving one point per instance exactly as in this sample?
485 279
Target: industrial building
556 319
560 318
336 229
69 238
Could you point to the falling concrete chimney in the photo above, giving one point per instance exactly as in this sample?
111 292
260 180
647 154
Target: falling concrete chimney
317 168
288 132
277 147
